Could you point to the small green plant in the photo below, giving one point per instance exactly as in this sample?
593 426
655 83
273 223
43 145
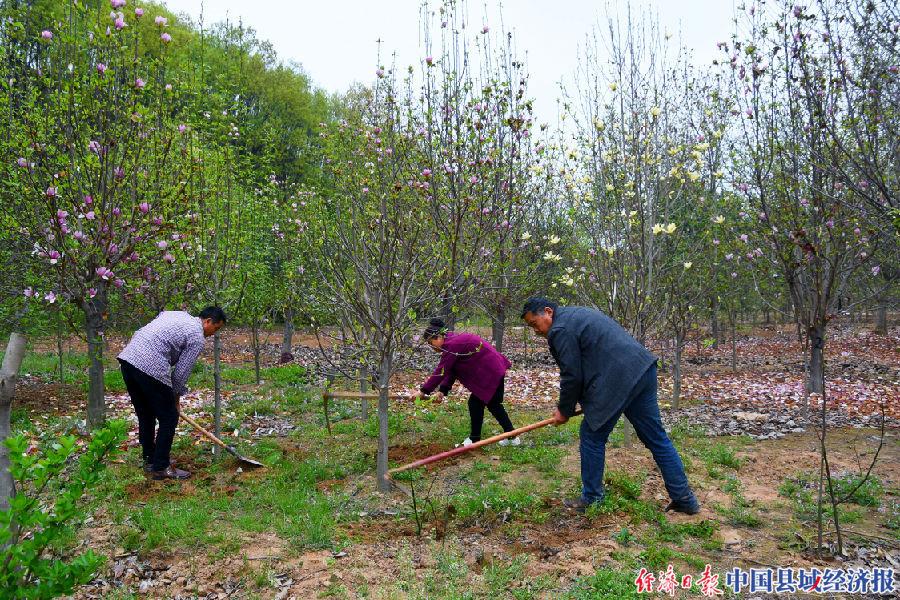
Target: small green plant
720 454
605 583
34 522
623 537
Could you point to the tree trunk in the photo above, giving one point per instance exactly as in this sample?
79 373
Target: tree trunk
714 322
9 372
816 381
676 372
59 350
881 322
254 339
287 341
96 409
733 346
381 467
498 326
363 388
217 379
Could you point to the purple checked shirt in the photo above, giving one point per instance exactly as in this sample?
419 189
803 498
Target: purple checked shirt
172 339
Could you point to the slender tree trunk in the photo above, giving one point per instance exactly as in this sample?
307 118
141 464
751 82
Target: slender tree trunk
287 341
381 469
714 322
363 388
816 381
676 371
217 380
59 350
733 345
254 338
498 326
9 373
96 409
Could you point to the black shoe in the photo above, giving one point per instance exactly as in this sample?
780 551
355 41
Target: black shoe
688 509
170 472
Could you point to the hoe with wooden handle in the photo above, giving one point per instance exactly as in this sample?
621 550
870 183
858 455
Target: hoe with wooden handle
230 449
455 451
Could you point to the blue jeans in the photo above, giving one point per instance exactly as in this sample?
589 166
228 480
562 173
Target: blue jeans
642 410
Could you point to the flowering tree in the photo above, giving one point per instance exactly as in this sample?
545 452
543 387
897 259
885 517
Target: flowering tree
100 167
377 262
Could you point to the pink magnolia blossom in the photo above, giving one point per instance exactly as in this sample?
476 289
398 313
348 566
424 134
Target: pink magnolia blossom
144 207
426 172
157 220
54 257
182 128
88 199
101 68
830 223
733 275
379 73
113 248
168 87
429 60
744 237
119 173
139 83
104 273
118 283
166 38
94 146
729 256
92 292
161 21
876 270
50 297
485 29
117 211
29 293
117 3
51 192
78 235
22 163
119 23
169 258
61 215
90 216
47 34
162 245
139 12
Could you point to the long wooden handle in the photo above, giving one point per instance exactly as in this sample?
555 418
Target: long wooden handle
199 428
491 440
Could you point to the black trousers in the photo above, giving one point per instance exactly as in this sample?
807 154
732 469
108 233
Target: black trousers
495 406
153 402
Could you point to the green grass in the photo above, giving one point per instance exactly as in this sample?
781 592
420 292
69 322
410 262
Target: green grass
802 491
604 584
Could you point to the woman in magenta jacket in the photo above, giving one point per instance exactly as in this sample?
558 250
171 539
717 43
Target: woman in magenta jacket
478 366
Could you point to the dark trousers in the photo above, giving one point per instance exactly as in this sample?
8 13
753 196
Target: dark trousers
642 410
153 402
495 406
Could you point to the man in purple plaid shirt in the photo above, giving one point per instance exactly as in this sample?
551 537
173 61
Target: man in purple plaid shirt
156 365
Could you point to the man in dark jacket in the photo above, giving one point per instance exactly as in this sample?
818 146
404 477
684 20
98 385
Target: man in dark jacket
607 372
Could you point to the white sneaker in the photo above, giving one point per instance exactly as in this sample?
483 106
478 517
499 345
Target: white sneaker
467 442
510 442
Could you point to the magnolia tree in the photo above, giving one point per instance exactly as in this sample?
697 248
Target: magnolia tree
476 137
803 219
100 170
632 166
378 261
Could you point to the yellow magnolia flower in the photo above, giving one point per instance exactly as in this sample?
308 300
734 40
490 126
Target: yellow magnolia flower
693 175
599 125
554 239
719 219
614 86
655 111
657 229
688 265
552 257
609 187
702 147
526 236
671 227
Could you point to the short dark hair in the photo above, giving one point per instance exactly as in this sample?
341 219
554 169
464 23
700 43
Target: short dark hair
537 304
436 328
215 314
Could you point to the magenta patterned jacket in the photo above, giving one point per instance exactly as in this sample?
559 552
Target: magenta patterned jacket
166 348
472 360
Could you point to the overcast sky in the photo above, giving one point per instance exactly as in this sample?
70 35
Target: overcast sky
335 40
